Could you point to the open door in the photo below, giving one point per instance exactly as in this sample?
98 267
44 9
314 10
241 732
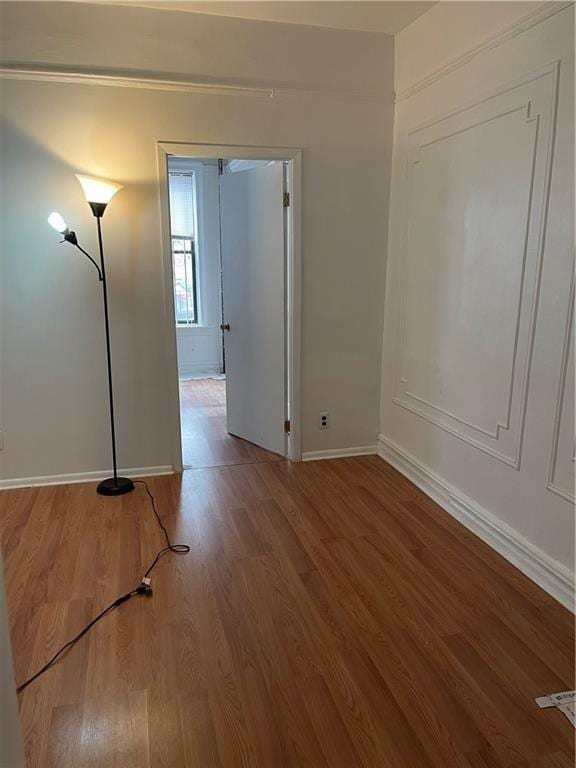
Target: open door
253 285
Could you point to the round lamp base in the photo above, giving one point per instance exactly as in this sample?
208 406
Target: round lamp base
115 486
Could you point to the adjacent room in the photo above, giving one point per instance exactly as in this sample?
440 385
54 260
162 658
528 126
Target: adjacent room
287 394
229 251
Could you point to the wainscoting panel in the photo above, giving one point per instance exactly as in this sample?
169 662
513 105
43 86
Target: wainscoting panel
470 281
563 456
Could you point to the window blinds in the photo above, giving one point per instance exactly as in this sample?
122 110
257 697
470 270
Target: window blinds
181 187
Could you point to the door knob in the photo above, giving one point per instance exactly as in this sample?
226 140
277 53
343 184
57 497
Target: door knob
224 326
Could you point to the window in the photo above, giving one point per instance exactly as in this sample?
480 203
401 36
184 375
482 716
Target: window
182 193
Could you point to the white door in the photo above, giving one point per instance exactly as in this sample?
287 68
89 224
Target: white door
252 222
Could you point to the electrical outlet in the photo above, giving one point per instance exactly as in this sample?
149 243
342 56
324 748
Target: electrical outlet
324 420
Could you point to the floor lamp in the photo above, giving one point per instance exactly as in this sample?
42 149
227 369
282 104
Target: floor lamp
98 194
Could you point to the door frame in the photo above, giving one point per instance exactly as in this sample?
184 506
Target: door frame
293 157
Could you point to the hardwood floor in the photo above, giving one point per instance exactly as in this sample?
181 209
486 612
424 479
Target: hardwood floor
329 615
205 442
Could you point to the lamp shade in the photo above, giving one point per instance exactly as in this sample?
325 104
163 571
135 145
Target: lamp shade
98 190
56 221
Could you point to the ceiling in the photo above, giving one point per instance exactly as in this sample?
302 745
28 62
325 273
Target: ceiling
370 16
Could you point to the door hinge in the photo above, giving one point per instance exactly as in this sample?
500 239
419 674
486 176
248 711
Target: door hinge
287 427
220 167
286 199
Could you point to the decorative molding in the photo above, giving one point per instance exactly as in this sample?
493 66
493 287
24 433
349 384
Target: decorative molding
143 83
568 331
553 577
83 477
517 28
340 453
505 424
511 85
539 227
185 86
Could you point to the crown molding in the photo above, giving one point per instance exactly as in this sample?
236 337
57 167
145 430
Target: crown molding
121 81
517 28
185 86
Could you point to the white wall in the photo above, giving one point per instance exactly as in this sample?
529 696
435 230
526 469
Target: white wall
54 403
451 30
233 166
200 346
477 386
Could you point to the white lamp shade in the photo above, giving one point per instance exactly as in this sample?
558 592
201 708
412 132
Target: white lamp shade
98 190
56 221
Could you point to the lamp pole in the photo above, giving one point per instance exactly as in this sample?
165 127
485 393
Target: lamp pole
103 191
106 487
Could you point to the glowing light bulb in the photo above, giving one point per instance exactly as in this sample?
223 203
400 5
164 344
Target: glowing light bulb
56 221
98 190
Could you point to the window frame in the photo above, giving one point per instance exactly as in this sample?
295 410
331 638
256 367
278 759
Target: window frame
195 322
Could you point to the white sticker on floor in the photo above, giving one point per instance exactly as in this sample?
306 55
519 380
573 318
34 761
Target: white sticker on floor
565 702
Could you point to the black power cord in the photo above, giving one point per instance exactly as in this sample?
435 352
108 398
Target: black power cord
143 588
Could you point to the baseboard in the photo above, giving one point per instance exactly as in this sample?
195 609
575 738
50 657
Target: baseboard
186 370
340 453
553 577
83 477
193 369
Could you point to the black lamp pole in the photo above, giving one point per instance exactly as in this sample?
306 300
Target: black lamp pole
112 486
115 485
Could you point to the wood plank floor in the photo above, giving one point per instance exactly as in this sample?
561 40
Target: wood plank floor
205 441
329 615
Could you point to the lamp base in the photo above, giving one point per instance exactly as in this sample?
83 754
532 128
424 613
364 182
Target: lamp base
115 486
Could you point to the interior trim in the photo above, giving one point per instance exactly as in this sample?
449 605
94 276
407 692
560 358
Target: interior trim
401 398
84 477
55 75
340 453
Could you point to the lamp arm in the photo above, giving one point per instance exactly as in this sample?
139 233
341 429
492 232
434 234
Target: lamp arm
100 276
70 237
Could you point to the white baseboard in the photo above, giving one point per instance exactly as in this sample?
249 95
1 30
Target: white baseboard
340 453
83 477
186 370
554 578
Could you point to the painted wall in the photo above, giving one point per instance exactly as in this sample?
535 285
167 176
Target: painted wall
211 48
477 384
54 403
457 28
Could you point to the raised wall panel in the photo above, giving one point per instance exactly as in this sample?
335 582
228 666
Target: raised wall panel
476 191
562 461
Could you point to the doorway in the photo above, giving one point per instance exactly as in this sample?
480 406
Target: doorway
232 275
206 441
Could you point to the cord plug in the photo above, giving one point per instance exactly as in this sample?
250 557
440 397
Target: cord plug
145 588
